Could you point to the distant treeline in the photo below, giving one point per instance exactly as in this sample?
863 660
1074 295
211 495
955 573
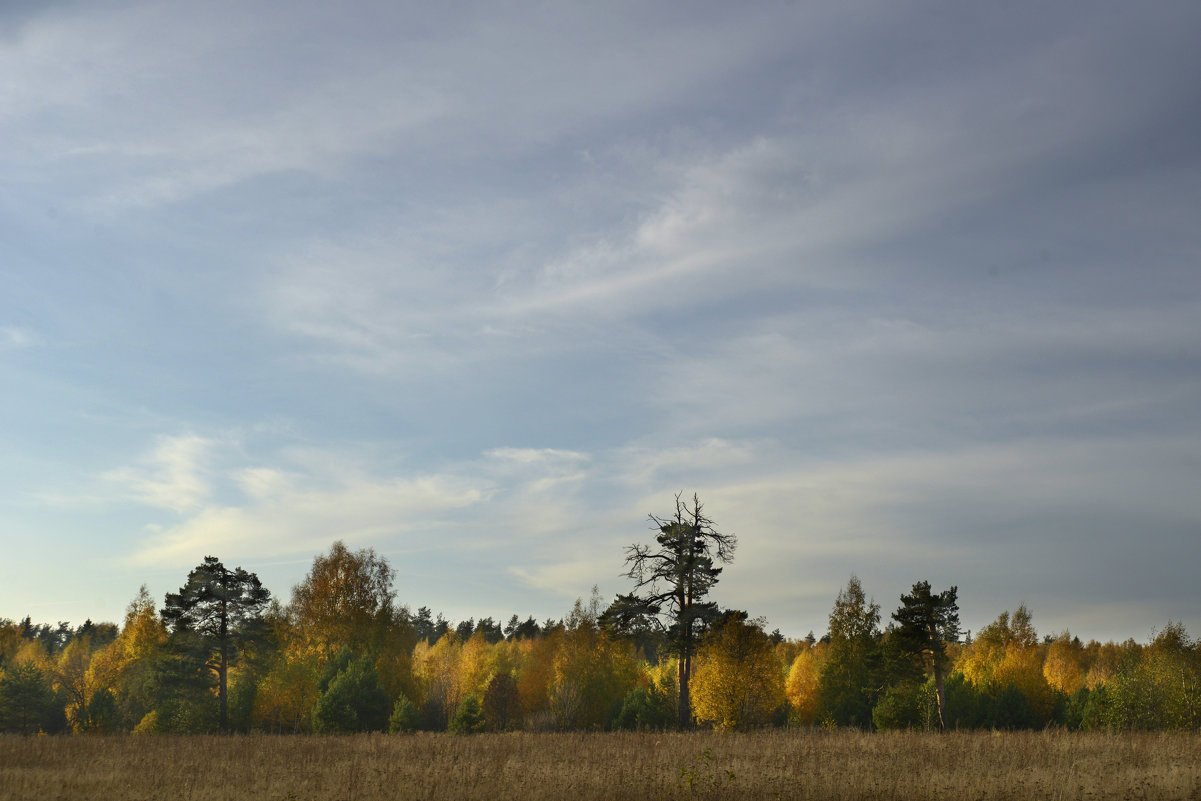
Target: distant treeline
342 655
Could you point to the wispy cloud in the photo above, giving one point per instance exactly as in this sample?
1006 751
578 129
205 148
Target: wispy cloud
175 475
153 105
851 377
154 108
16 338
564 580
308 498
282 515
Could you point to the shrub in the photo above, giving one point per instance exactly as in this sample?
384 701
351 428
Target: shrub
469 717
1012 711
967 707
502 703
148 724
354 701
404 717
900 707
646 708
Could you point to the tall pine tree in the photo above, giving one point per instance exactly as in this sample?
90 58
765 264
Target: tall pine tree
217 609
926 622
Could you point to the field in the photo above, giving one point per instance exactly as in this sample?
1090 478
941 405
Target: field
583 767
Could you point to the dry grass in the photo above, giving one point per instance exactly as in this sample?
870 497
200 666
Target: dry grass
582 767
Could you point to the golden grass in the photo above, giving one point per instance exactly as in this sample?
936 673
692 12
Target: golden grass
582 767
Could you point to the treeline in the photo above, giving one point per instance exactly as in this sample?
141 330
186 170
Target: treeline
342 655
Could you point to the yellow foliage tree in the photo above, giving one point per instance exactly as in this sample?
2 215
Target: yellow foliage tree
1103 661
32 652
1063 665
286 695
345 600
105 666
143 633
394 661
70 676
1172 665
438 667
802 683
978 662
1006 652
662 674
122 667
787 652
10 641
476 665
536 671
1022 667
591 672
505 657
738 682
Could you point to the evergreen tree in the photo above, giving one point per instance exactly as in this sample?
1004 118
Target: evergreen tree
652 707
469 717
405 717
27 702
423 625
926 623
179 684
353 701
217 611
490 629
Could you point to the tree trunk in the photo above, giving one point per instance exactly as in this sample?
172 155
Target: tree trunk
223 672
684 708
942 698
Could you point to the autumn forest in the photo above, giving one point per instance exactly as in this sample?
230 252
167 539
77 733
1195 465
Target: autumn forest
341 655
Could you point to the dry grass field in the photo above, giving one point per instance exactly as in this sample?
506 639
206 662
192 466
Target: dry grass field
583 767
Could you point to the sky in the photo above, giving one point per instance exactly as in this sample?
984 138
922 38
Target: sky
906 290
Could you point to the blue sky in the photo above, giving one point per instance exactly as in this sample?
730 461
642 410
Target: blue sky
901 289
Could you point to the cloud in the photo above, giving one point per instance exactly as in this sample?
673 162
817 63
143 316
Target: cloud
641 466
553 518
148 105
12 338
541 469
527 457
843 185
406 298
174 475
153 106
283 515
864 378
565 580
306 498
765 217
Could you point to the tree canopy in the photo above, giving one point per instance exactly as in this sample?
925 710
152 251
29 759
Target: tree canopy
345 598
